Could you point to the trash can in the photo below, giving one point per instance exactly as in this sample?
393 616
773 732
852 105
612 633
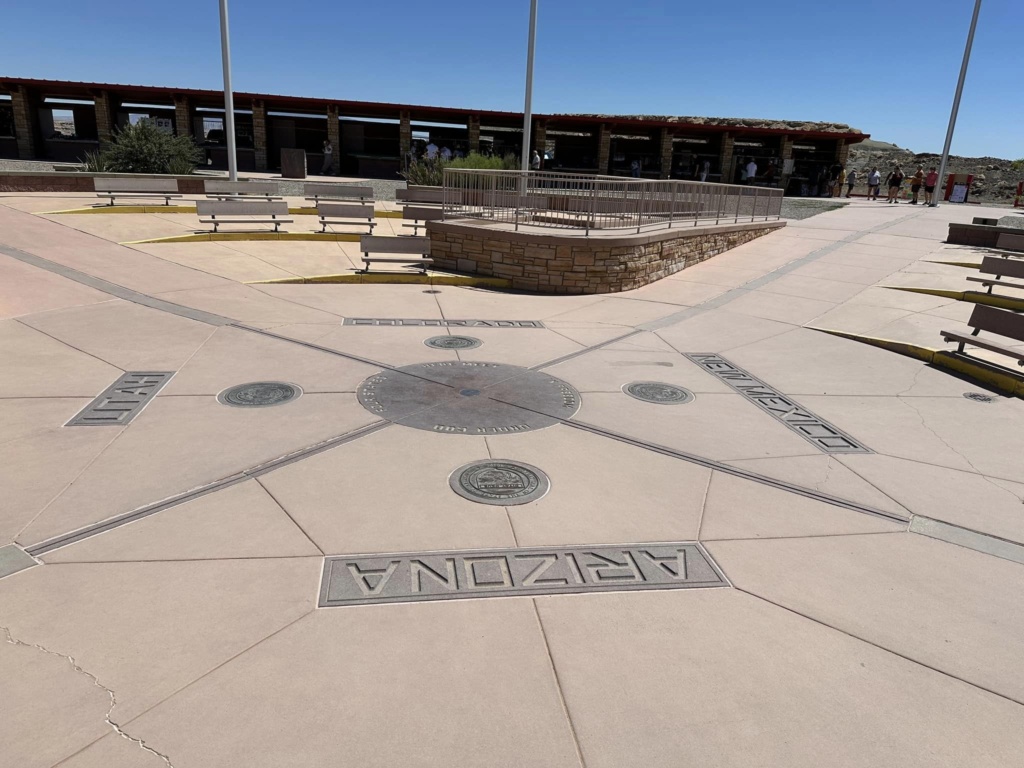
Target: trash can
293 163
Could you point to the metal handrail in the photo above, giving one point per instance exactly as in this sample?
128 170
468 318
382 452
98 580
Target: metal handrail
598 202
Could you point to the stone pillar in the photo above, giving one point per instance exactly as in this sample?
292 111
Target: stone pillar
259 133
405 133
182 116
26 122
842 152
725 158
106 119
334 136
666 153
604 148
473 129
540 136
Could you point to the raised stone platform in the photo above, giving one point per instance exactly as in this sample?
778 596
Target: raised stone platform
561 261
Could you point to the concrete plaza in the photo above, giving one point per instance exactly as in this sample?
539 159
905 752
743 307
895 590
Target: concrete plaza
705 583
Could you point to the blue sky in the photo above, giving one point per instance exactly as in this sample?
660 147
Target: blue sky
886 67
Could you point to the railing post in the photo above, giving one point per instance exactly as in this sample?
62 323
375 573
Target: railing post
672 210
753 207
593 206
640 206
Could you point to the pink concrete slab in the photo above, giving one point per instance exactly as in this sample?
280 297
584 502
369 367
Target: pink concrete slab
180 443
608 370
805 287
127 335
617 310
619 493
719 678
36 365
245 303
970 500
467 683
216 259
782 309
44 688
736 508
924 599
464 303
22 417
147 630
712 273
114 751
389 492
234 356
887 297
25 289
520 346
859 318
827 474
241 521
719 330
370 300
392 345
587 333
676 292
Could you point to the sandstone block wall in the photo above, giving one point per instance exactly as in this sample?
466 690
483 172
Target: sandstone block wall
567 263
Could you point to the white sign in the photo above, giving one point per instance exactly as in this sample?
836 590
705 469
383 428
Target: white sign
959 193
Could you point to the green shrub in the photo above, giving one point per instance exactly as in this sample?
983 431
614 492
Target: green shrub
143 148
431 172
1018 165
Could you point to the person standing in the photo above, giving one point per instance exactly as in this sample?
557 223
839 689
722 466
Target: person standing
851 179
446 154
432 150
328 166
915 183
930 181
874 182
893 181
837 187
751 172
705 169
769 174
535 161
634 169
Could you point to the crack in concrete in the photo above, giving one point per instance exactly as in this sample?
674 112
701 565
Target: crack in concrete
828 473
115 727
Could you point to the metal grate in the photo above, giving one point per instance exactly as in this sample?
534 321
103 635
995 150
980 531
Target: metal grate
121 401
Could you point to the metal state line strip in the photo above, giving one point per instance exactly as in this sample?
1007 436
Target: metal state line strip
110 524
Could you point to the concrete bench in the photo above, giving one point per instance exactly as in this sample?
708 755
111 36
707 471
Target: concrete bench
240 190
342 192
993 265
416 215
242 212
345 213
427 195
416 250
137 189
1001 322
1007 242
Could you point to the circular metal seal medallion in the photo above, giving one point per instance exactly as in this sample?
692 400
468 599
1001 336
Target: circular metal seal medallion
469 397
657 392
453 342
979 397
260 394
503 483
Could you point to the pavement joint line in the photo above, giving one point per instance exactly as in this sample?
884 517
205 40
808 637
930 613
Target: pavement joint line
880 647
258 470
985 543
585 350
113 289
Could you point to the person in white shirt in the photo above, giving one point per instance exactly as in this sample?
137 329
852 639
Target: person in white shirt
874 182
446 154
328 166
704 170
431 151
535 161
751 172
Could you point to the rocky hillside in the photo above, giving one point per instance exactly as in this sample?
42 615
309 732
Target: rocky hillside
995 179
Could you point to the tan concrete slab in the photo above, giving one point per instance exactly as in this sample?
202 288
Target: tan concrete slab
675 292
614 494
149 629
718 426
859 318
118 228
216 259
782 309
233 356
854 269
242 521
464 303
719 330
944 606
519 346
391 345
495 700
114 751
589 334
719 678
341 300
961 498
246 303
22 417
37 468
621 311
127 335
712 273
35 365
742 509
608 370
180 443
25 289
803 287
827 474
50 709
879 296
342 499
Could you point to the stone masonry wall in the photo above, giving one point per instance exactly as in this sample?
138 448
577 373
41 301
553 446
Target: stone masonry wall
574 265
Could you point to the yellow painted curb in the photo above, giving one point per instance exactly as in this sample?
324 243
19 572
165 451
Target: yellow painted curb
431 278
974 297
212 237
965 264
300 211
1004 380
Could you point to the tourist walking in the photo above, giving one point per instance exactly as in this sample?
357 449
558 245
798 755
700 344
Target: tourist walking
535 161
930 181
328 166
874 182
893 181
837 185
432 150
751 172
916 181
704 170
634 169
851 179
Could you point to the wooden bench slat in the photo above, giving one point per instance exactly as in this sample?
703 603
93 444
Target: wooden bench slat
337 192
994 265
384 244
135 185
989 281
964 338
1009 242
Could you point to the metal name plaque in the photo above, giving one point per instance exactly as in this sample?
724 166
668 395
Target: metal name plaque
121 401
814 429
405 322
411 577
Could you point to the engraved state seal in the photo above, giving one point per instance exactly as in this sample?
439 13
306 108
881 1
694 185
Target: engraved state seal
657 392
504 483
259 394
